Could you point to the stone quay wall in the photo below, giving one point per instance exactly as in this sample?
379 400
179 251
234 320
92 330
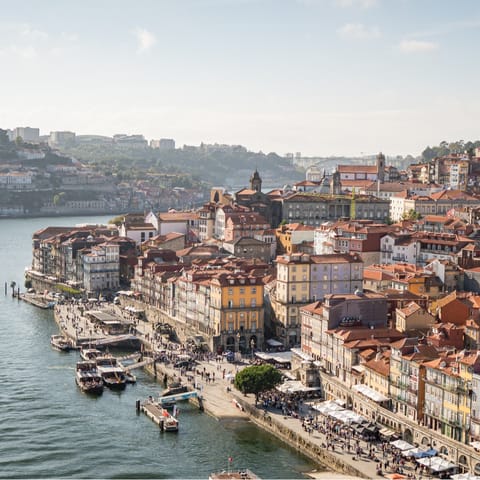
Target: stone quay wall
315 452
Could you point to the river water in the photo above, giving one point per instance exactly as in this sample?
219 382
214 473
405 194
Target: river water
49 429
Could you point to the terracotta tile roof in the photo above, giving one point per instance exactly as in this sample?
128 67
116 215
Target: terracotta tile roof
355 183
381 366
410 309
178 216
357 169
246 191
316 308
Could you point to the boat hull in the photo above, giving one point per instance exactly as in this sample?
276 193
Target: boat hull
114 384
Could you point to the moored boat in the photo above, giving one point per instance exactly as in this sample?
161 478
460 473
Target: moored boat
234 474
112 374
61 343
89 354
87 377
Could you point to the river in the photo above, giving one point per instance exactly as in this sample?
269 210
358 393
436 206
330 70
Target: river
49 429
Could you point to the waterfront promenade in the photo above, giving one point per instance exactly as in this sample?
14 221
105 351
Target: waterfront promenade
221 400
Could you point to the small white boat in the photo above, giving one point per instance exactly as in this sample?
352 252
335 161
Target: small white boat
61 343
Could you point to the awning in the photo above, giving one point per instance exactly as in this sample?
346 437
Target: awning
370 393
274 343
386 432
299 353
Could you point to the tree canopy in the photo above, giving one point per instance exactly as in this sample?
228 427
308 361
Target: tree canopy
412 215
447 148
257 378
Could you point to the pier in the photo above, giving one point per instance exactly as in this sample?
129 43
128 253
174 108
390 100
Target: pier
165 421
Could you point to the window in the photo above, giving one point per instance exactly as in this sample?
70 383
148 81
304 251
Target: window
253 302
230 327
242 303
242 290
230 291
254 289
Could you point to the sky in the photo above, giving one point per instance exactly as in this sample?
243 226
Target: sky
320 77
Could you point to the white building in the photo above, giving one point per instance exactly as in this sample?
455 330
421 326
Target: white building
61 139
163 144
101 268
28 134
398 248
16 180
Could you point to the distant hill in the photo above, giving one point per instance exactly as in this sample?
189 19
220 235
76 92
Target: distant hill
215 164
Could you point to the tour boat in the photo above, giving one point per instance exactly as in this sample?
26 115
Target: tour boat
89 353
87 377
61 343
112 374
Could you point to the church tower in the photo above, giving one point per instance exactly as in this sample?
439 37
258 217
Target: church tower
256 181
335 184
381 167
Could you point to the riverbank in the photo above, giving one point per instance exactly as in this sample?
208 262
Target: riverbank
223 402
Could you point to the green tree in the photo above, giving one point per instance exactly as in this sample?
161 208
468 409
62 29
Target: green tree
411 215
257 378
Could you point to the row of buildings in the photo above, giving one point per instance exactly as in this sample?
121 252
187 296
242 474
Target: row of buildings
59 139
427 370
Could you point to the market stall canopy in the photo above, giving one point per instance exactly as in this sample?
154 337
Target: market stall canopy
465 476
278 357
402 445
327 406
293 386
436 464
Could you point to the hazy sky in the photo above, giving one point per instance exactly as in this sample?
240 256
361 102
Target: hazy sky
317 76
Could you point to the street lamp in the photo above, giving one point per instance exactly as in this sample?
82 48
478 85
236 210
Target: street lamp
252 346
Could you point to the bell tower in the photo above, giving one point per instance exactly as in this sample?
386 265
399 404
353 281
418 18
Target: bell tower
381 167
256 181
335 183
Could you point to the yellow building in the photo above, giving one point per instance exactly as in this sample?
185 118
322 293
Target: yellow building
236 305
413 317
377 373
291 236
448 394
